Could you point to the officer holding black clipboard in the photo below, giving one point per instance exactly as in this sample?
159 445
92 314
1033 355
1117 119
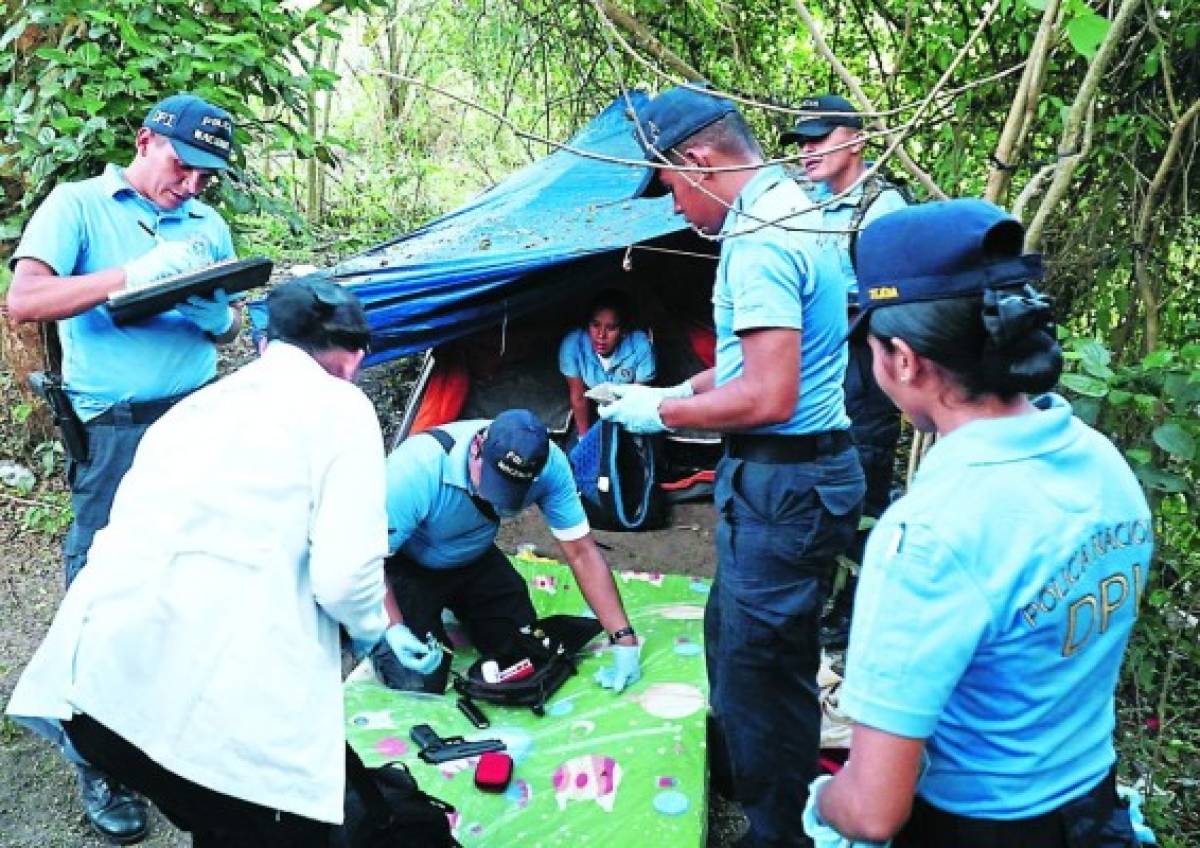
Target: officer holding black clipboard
122 231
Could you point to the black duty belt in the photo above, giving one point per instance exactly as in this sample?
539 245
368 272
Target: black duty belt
1088 814
780 450
127 414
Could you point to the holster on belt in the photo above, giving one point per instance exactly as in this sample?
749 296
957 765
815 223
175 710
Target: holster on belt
49 386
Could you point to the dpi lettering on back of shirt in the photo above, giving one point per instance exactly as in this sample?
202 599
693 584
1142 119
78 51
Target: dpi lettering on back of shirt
1089 614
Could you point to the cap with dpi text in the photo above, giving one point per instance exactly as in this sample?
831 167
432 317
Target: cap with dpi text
515 450
200 133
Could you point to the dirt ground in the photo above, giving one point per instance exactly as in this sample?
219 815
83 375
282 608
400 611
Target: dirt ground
38 805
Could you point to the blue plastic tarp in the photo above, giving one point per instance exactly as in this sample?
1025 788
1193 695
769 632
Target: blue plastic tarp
474 267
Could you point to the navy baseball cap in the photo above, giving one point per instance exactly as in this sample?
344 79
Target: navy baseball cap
201 133
842 114
672 118
515 449
931 251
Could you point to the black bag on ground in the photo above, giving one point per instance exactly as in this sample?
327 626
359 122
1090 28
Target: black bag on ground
550 646
385 807
618 473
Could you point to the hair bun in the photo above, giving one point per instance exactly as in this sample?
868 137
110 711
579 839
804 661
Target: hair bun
1011 315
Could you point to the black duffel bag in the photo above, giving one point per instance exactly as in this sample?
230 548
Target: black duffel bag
386 809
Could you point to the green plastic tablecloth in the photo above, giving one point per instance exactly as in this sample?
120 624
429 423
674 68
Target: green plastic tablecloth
598 769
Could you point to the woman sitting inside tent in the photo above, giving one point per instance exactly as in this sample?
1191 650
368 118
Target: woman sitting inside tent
605 350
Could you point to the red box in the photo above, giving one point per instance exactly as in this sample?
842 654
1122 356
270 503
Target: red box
493 771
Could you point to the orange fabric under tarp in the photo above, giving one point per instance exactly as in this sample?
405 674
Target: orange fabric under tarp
708 476
445 394
704 343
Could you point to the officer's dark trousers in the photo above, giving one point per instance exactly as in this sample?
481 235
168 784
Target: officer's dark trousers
1098 819
214 820
112 437
488 597
779 529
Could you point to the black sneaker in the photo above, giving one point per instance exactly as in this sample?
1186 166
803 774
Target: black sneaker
116 813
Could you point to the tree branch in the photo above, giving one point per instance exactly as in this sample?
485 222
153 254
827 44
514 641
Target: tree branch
1024 106
1141 233
1072 146
646 40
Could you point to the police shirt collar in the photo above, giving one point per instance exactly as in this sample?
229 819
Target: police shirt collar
764 179
116 185
456 469
822 192
993 441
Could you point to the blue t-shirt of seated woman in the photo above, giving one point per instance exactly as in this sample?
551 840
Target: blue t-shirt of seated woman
631 362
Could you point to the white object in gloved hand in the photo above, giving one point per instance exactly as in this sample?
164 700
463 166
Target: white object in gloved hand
421 657
683 390
636 408
822 835
166 259
210 314
625 671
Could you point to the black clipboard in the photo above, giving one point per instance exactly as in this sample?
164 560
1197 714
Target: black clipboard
237 276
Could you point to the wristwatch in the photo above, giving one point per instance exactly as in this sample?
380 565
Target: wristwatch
613 638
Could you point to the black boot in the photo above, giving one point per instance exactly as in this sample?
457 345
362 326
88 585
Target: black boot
116 813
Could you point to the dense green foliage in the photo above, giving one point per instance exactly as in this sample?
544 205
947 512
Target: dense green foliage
80 77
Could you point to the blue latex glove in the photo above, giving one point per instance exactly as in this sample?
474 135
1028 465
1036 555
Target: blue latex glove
625 670
1140 829
822 835
166 259
418 656
210 314
636 408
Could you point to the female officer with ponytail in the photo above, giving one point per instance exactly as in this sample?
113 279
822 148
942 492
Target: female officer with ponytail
997 597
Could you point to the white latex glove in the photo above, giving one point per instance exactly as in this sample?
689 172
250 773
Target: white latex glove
166 259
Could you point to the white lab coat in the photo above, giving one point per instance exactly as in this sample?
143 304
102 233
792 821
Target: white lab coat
203 629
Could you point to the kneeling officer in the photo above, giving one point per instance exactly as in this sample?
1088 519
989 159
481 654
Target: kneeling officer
447 490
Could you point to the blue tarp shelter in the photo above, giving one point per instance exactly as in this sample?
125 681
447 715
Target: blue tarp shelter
483 264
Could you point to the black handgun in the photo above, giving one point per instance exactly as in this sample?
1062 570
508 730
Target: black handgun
435 749
49 387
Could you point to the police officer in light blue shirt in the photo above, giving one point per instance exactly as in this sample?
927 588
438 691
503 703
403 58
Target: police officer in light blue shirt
847 199
447 490
606 350
789 486
117 232
997 597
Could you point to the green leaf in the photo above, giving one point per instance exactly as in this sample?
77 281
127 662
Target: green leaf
1119 397
53 54
1158 358
1161 481
1146 403
1040 5
1086 409
12 34
88 54
1139 456
1175 440
1086 33
1153 59
1085 385
1094 352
